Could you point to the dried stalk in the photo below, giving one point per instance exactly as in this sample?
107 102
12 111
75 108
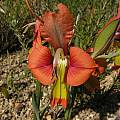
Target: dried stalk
32 12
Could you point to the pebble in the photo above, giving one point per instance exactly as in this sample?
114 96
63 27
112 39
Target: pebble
48 117
10 109
118 103
118 112
18 107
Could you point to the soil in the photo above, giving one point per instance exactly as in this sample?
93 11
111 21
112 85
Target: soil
17 86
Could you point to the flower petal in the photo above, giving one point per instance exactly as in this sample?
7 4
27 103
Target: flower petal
60 90
37 33
58 27
77 76
102 64
56 101
81 67
80 58
40 64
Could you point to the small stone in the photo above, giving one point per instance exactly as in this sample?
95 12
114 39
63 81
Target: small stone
48 117
76 117
91 116
118 112
18 107
118 104
117 118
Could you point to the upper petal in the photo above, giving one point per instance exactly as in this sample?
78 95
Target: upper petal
81 67
58 27
40 64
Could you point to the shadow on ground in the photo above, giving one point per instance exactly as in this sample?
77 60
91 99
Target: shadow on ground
103 104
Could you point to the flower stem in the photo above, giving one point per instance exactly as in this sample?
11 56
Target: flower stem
71 98
36 101
67 115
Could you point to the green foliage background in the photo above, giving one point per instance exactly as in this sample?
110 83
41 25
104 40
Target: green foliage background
89 17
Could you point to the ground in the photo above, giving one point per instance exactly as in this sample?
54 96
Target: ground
17 86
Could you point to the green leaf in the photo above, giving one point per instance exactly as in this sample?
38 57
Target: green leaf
35 106
4 91
104 39
38 92
77 42
117 60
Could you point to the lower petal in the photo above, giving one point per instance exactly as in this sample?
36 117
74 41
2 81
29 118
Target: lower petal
80 68
78 76
40 64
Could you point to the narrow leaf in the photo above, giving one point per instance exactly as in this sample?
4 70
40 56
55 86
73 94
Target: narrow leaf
38 92
35 107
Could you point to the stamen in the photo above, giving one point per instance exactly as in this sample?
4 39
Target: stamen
59 59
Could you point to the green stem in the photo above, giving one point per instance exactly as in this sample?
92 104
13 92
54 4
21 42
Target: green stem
71 99
67 115
36 100
35 107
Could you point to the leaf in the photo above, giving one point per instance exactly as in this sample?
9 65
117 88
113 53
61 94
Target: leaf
35 106
38 92
117 58
106 34
77 42
104 38
36 102
4 91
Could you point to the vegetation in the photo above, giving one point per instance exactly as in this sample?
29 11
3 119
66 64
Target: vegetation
16 31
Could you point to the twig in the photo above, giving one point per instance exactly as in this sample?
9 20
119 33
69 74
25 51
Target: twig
27 26
33 13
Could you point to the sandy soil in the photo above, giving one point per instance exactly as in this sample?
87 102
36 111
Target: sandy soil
16 103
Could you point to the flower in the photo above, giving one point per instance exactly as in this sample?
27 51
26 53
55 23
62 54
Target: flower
70 65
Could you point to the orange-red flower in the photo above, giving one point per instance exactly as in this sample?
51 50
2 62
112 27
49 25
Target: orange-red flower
57 30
